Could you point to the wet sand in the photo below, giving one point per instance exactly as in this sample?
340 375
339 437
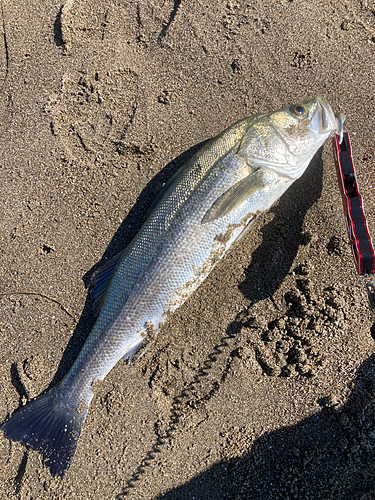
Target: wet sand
262 385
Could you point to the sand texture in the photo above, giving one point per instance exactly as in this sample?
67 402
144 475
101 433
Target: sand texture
262 386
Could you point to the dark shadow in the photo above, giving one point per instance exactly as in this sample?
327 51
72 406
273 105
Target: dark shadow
272 260
373 331
57 30
330 455
172 15
18 384
21 472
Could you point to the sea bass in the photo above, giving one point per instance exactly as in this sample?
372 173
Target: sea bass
201 211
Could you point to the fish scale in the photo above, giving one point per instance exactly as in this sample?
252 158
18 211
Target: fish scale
202 210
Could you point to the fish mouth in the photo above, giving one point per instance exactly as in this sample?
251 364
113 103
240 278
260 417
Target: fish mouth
325 121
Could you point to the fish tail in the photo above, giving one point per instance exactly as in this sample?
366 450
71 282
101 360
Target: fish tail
49 425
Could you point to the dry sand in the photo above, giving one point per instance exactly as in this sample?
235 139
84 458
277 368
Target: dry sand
262 385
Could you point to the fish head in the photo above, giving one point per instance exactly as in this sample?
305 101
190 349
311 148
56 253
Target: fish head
286 140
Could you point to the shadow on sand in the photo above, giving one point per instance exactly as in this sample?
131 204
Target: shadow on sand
330 455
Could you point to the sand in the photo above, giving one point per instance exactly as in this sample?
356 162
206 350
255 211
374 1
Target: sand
262 386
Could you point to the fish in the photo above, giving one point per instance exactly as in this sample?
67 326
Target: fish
204 208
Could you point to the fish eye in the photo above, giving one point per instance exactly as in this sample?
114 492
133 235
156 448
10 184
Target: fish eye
299 110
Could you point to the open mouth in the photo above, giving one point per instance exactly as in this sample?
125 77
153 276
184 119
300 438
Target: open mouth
325 121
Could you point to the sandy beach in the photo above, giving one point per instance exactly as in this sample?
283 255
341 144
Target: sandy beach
262 385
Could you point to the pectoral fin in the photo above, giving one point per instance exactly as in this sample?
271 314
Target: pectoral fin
235 195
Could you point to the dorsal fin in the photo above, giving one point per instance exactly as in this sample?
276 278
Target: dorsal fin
99 281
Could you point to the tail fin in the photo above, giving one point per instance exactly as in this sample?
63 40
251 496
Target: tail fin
49 426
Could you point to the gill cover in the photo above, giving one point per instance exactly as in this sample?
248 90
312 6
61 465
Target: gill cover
285 141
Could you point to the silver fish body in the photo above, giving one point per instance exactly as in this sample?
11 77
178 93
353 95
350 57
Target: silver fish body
204 208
